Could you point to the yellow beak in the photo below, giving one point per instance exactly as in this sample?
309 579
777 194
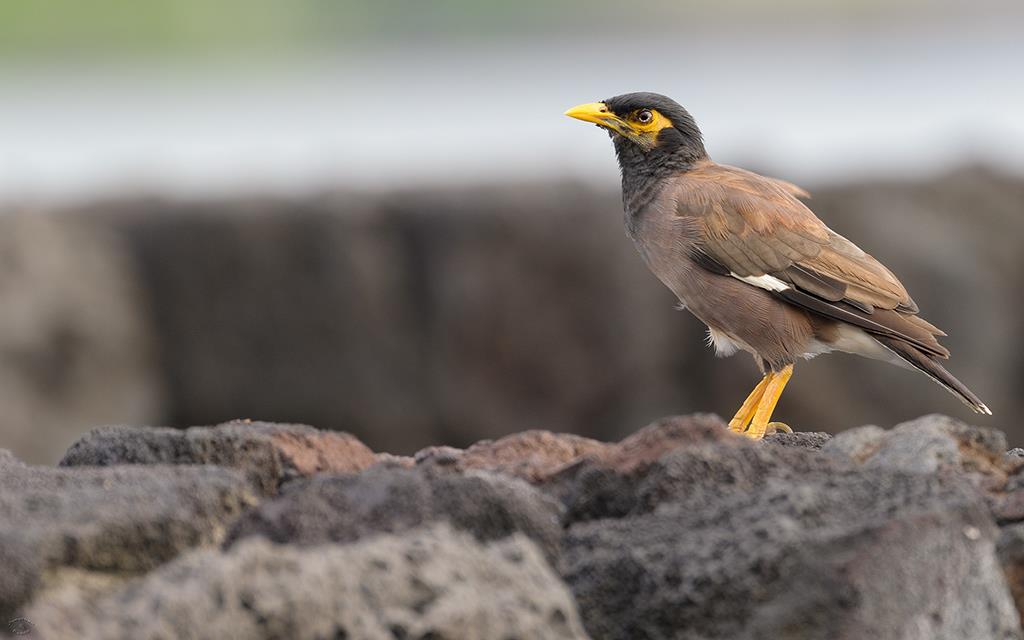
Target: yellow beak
596 112
599 114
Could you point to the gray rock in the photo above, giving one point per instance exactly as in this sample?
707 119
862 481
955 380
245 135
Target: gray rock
916 448
388 500
120 519
20 575
268 453
800 439
426 583
926 445
698 458
1010 548
757 542
856 444
8 459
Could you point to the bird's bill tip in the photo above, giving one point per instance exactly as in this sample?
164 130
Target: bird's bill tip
596 112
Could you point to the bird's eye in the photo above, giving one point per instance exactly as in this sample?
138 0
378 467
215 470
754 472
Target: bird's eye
644 116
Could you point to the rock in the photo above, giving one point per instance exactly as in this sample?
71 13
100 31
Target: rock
268 453
926 445
538 456
121 519
530 455
390 500
391 460
736 539
682 529
814 440
637 451
425 583
856 444
1010 549
609 485
21 574
442 456
76 342
939 444
8 459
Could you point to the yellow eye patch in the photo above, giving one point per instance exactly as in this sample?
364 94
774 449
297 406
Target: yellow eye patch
639 122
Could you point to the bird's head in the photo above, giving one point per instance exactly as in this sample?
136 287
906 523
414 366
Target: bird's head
645 124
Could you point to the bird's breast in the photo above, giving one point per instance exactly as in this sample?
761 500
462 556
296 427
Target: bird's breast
666 243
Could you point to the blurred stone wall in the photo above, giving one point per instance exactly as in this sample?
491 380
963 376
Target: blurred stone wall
447 316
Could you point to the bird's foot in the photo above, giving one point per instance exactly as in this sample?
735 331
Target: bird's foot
738 426
754 433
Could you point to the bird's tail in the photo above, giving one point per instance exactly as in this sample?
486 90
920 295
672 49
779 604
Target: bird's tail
927 365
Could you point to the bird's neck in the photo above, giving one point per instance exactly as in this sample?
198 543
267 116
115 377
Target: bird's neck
643 172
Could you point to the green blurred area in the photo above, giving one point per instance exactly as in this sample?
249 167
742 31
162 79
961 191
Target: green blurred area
115 28
109 27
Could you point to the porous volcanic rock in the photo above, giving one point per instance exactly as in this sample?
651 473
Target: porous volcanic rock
120 519
733 539
345 508
268 453
425 583
681 530
928 444
530 455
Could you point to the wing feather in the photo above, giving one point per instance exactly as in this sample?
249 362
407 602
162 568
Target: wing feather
752 226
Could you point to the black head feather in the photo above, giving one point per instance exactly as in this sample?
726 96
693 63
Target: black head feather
683 138
677 148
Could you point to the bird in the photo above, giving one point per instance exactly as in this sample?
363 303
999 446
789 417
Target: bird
746 256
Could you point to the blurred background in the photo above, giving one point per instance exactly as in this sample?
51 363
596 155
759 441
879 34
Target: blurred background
373 217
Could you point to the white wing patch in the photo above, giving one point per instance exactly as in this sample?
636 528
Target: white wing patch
766 282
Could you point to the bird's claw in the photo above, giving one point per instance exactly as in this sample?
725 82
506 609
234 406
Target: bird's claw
778 427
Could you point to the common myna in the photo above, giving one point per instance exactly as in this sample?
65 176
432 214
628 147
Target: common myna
753 263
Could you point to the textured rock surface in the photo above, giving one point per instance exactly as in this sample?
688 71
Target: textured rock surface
531 455
748 543
681 530
120 519
267 453
386 500
428 583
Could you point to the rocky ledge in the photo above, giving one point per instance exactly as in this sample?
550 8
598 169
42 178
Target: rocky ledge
682 530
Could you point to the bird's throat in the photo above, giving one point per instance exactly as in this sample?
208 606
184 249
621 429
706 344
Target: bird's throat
644 171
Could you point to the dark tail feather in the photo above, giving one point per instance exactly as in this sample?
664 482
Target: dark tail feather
933 370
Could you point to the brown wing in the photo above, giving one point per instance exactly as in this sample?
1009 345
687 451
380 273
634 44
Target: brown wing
753 226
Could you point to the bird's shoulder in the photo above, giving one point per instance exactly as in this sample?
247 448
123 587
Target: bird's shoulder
754 225
733 200
728 177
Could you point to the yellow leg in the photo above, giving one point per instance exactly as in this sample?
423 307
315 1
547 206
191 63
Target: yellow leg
745 414
763 414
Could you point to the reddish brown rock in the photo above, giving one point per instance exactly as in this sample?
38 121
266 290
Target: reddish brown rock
531 455
537 455
658 438
313 452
